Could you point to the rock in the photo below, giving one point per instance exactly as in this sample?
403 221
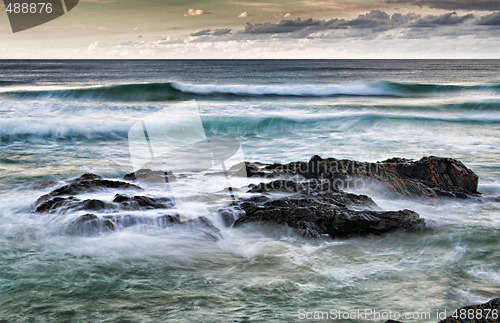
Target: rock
484 313
54 204
142 202
89 224
428 177
87 183
120 203
150 176
307 196
315 211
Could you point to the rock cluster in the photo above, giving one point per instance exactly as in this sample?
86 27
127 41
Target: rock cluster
316 208
306 196
428 177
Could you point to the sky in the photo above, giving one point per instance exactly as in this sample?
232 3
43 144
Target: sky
225 29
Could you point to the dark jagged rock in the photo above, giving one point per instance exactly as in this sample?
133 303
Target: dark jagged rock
307 196
120 202
316 212
87 183
65 200
54 204
142 202
150 176
324 190
428 177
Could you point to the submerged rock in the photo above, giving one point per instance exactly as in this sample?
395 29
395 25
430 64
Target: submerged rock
91 224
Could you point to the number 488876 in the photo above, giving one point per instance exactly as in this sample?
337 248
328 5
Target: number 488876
475 314
27 7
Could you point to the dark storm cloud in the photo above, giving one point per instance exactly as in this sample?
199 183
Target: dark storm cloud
366 26
488 5
375 20
447 19
490 20
289 26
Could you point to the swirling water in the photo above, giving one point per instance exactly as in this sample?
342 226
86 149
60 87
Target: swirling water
61 119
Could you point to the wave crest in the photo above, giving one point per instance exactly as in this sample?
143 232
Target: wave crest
173 91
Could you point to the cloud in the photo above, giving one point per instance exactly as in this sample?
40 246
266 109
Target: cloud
212 32
93 46
203 32
194 12
220 32
490 20
486 5
376 20
447 19
372 24
375 34
244 14
288 26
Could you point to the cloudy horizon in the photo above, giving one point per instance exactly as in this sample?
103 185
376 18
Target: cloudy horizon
263 29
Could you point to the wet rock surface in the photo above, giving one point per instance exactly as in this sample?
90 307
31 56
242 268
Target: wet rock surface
305 196
316 204
91 224
87 183
122 211
428 177
150 176
318 208
120 202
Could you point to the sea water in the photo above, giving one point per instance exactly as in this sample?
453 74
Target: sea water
61 119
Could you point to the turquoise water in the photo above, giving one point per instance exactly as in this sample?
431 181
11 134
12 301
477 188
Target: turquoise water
62 119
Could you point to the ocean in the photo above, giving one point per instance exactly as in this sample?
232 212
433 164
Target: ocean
61 119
